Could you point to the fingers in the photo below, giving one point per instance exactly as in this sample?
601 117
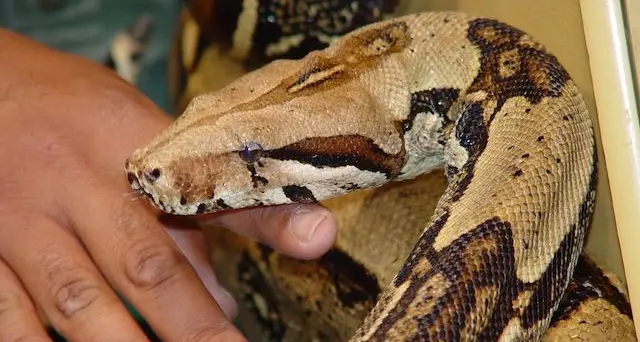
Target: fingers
303 231
130 246
59 276
192 243
18 318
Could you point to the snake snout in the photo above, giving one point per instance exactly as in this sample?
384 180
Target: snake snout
151 175
137 185
133 181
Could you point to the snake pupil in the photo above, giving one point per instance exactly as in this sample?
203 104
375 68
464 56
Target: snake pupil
251 153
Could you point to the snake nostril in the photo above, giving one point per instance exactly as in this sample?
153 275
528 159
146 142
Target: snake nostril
153 175
132 179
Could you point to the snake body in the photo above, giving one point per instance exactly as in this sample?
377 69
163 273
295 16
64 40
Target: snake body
391 101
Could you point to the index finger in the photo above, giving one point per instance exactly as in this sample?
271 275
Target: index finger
136 255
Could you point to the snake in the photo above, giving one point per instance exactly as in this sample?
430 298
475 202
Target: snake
392 101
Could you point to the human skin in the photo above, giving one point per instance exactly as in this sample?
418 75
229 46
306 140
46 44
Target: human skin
72 231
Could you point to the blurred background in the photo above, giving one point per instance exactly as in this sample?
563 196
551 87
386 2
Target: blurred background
87 28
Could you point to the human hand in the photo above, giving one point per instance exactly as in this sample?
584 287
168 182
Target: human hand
72 231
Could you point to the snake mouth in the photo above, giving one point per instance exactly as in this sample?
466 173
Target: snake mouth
160 202
156 202
134 182
136 185
140 190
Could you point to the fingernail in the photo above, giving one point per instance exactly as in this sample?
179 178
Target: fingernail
222 296
227 303
304 224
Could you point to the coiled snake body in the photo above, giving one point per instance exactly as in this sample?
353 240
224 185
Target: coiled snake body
391 101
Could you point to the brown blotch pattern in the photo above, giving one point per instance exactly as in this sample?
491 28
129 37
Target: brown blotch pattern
317 74
511 66
342 150
472 133
298 194
542 294
509 63
556 273
193 186
589 282
312 19
358 53
353 282
437 101
480 259
194 178
423 250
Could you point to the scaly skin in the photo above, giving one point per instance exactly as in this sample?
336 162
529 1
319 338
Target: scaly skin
392 101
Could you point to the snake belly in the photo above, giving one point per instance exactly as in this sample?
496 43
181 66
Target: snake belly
392 101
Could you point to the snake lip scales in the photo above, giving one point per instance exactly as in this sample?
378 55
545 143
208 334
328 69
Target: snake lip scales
391 101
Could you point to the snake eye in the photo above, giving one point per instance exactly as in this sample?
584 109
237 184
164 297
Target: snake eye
251 153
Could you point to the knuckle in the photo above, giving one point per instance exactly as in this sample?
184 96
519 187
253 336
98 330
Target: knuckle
73 289
74 293
11 306
151 266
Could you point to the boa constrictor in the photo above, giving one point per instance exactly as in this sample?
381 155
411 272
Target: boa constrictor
392 101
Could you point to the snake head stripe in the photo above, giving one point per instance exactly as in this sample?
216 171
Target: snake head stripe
292 131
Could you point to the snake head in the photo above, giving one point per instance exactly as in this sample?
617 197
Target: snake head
254 143
289 132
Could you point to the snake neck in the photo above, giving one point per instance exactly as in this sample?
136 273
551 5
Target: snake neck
519 153
511 222
444 129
